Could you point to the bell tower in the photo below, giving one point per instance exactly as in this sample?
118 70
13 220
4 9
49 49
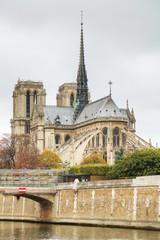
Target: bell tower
26 94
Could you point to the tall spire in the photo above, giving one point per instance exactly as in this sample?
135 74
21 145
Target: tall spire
81 62
82 86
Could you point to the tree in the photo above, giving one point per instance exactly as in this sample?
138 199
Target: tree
18 152
119 154
7 151
26 153
140 163
49 159
93 158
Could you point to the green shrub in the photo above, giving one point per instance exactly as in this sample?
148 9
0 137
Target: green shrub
75 170
140 163
90 169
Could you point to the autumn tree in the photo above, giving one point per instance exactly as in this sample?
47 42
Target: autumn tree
7 151
18 152
49 159
26 153
93 159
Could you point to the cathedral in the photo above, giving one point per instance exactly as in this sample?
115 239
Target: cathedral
75 127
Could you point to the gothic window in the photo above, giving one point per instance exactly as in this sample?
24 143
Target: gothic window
89 143
105 137
57 139
71 100
116 137
97 140
67 137
28 104
27 127
35 97
123 139
105 156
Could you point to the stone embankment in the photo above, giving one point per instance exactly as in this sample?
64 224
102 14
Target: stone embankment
124 203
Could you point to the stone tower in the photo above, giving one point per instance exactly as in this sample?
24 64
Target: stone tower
82 81
25 95
66 95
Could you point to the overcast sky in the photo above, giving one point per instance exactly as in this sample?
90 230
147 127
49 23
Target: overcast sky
39 41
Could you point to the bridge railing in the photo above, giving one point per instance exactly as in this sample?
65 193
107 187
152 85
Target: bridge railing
28 178
46 184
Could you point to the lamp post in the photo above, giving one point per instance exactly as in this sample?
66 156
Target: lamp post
64 165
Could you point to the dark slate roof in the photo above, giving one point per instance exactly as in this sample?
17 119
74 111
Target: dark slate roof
104 107
65 114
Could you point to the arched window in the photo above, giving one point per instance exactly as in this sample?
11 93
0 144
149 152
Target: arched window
71 100
116 137
57 139
67 137
35 97
105 156
28 104
97 140
105 137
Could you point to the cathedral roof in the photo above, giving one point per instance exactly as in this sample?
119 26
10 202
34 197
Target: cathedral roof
65 114
104 107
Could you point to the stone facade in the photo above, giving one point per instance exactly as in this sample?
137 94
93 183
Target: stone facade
26 95
66 95
124 203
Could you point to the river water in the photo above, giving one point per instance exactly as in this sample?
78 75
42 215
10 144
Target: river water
37 231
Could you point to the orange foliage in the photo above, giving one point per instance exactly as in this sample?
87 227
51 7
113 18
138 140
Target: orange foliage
94 159
49 159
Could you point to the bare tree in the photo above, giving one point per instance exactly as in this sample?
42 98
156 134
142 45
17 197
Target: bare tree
18 152
7 151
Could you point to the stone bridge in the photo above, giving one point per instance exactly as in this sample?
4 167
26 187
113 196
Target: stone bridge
44 196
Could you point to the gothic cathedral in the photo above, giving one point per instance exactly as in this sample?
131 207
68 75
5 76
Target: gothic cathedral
75 127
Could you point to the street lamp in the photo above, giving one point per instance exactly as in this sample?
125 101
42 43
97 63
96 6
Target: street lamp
64 165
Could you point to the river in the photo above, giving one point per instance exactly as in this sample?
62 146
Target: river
38 231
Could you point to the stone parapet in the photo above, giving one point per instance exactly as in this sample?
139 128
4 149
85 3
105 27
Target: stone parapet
121 203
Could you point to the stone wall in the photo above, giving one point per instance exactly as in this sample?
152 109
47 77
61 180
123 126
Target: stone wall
125 203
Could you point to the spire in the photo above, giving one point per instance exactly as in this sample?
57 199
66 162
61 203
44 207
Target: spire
82 85
81 62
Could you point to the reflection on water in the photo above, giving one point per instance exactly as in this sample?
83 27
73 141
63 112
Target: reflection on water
36 231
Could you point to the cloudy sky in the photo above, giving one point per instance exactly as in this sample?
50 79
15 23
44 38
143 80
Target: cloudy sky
39 41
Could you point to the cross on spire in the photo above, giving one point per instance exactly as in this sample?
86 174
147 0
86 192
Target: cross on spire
110 83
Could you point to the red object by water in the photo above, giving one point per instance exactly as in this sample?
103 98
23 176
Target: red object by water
22 190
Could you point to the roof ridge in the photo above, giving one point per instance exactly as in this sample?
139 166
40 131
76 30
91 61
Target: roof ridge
97 100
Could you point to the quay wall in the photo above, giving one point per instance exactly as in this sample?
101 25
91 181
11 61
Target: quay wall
120 203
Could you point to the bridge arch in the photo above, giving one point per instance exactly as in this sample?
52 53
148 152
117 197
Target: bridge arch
36 198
